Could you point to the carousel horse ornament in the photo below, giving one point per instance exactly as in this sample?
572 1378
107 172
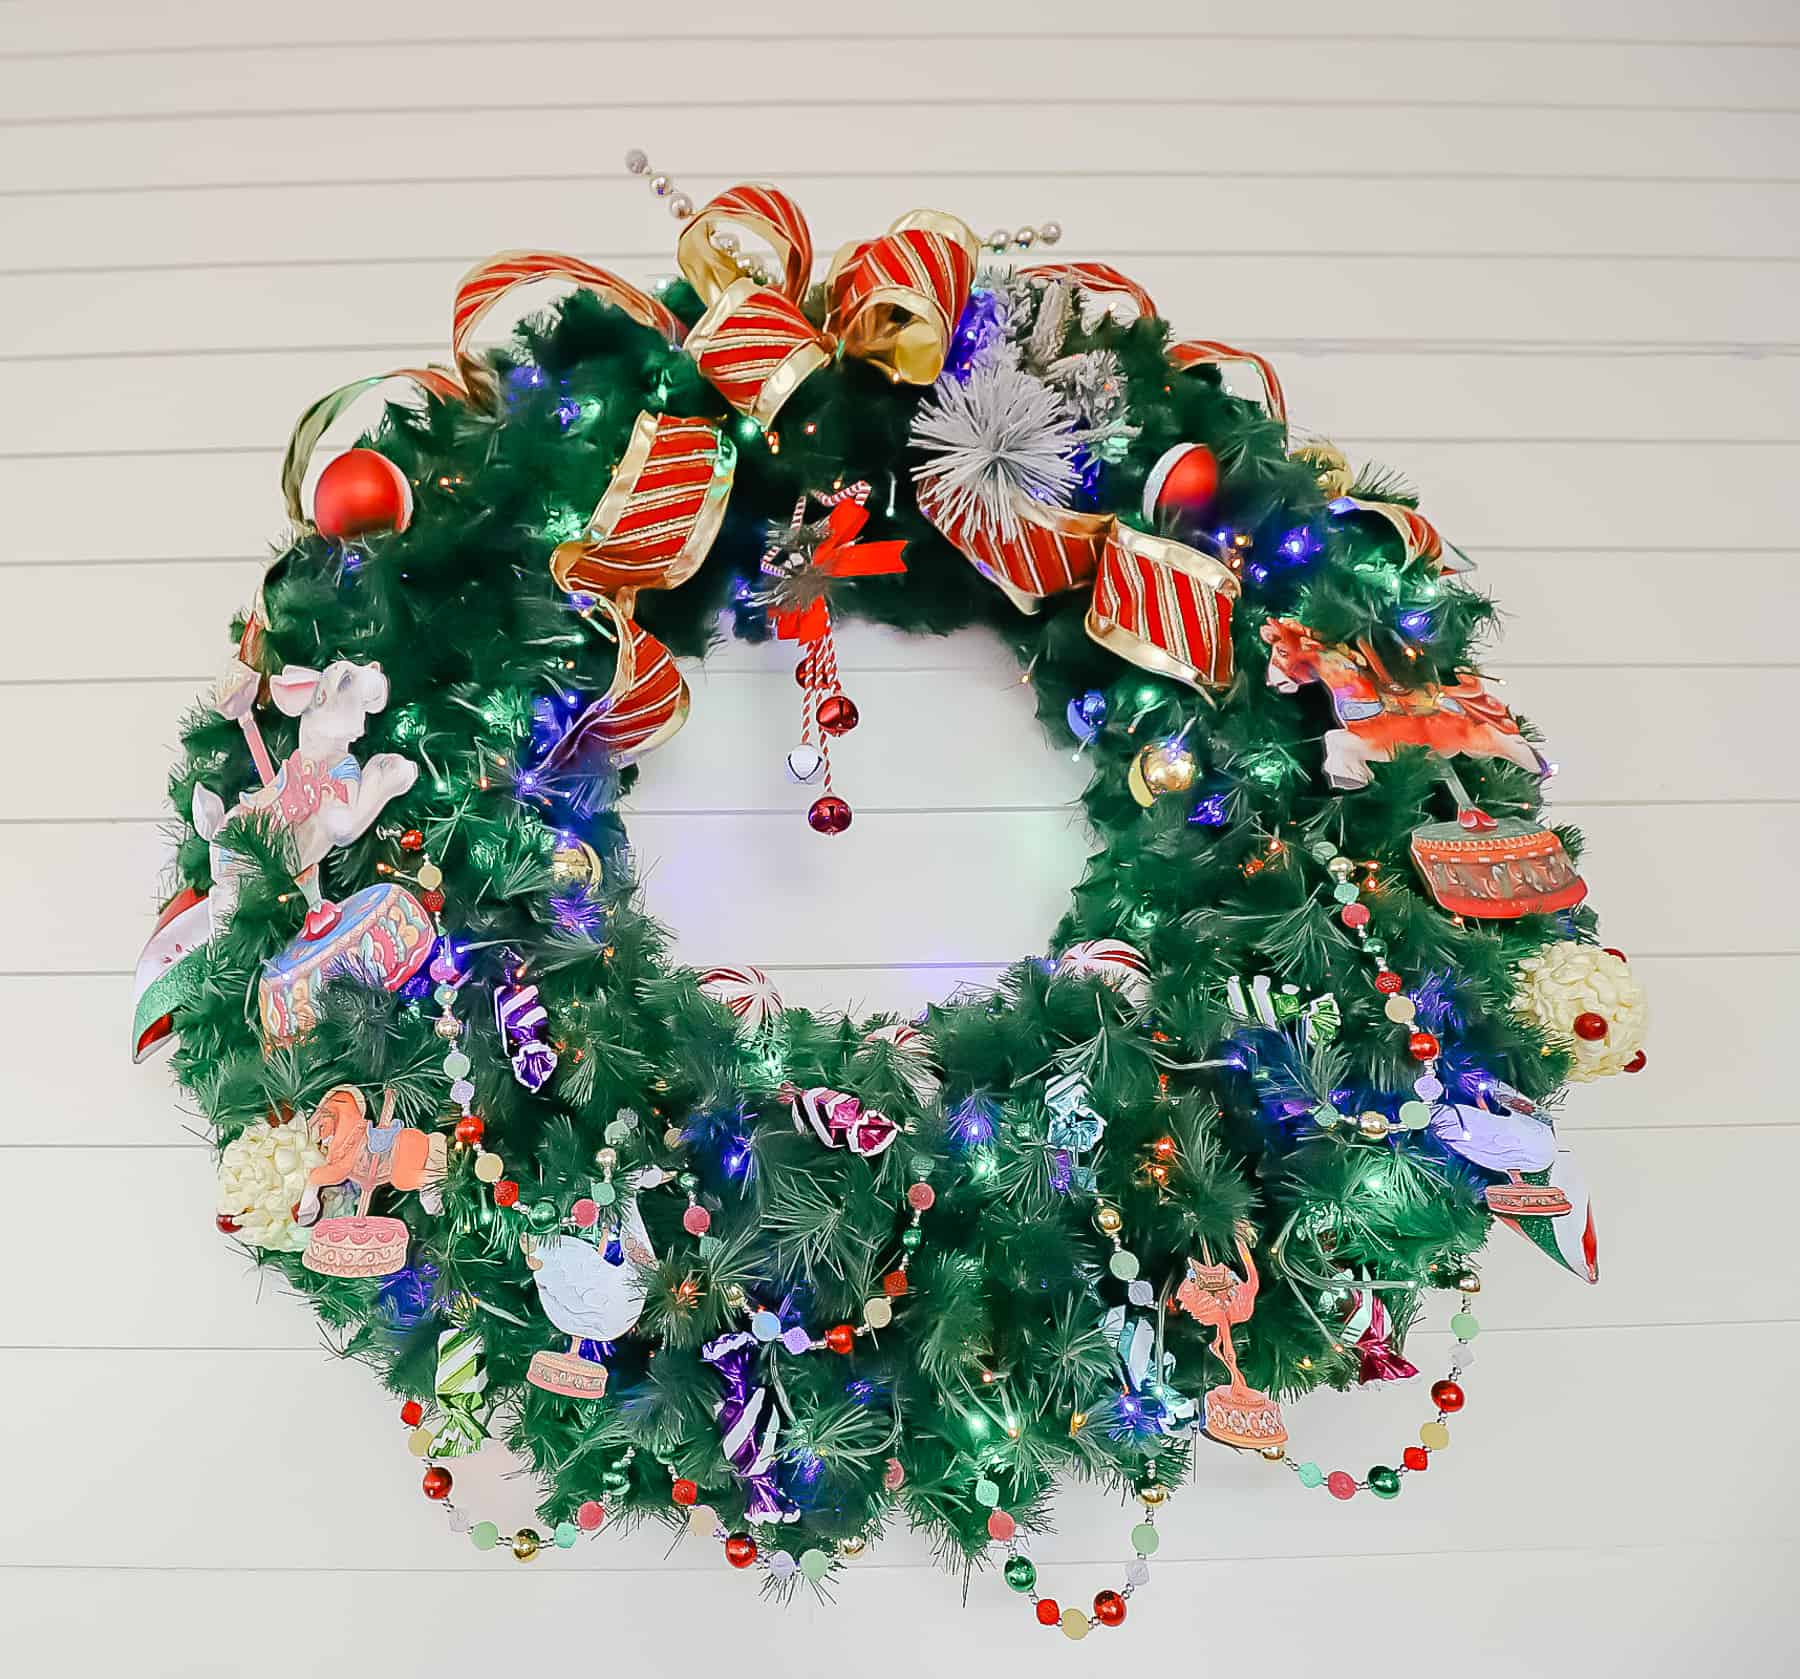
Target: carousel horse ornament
1235 1414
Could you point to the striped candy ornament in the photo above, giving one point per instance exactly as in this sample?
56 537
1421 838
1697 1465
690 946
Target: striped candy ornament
645 704
487 282
747 992
896 300
839 1120
462 1379
1165 607
1060 549
1120 965
756 348
768 215
660 513
913 1059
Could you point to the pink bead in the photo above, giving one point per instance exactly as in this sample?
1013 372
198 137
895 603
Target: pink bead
585 1213
696 1221
921 1197
590 1515
1001 1526
1354 915
443 969
1340 1485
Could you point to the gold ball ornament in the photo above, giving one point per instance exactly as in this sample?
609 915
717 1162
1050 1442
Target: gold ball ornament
1274 1454
1167 766
1153 1494
575 865
526 1544
1373 1125
1074 1624
1468 1283
1108 1220
1331 468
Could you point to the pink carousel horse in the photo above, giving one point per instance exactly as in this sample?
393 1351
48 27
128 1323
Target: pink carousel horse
1376 714
367 1155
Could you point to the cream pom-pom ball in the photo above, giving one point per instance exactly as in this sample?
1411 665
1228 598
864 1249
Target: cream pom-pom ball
1569 980
263 1175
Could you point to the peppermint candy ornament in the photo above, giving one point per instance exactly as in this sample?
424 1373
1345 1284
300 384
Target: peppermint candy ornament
747 993
1121 965
913 1059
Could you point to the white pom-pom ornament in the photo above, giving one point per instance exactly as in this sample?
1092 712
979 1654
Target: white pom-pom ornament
747 992
1121 965
1570 989
913 1058
263 1177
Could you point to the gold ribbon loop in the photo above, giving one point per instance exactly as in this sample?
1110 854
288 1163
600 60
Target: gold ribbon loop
1055 550
768 215
1165 607
757 349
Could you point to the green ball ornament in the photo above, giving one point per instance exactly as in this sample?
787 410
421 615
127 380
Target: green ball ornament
1123 1265
1384 1482
688 1182
544 1215
1021 1573
987 1492
911 1237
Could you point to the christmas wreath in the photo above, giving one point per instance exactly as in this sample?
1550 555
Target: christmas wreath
786 1278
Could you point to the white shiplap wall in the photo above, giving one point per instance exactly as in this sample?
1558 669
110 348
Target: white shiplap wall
1542 256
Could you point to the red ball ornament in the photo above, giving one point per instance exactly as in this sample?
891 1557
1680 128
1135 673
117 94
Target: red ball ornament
412 840
436 1483
838 714
226 1224
685 1493
1423 1046
1447 1396
1387 982
740 1550
829 815
1049 1612
1637 1063
1109 1608
506 1193
1416 1458
840 1338
470 1130
412 1413
1590 1026
361 493
1182 484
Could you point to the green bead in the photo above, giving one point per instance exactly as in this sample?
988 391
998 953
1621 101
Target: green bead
617 1130
1021 1573
922 1166
544 1215
457 1065
911 1237
484 1536
1323 849
987 1492
1415 1116
688 1181
1464 1326
1123 1265
1310 1475
1325 1116
1384 1482
1346 892
710 1247
566 1535
1375 947
605 1194
1145 1539
815 1565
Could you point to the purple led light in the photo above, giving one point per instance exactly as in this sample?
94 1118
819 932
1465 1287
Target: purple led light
577 914
567 412
1209 812
973 1122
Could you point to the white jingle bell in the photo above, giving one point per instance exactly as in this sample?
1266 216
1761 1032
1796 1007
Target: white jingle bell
805 763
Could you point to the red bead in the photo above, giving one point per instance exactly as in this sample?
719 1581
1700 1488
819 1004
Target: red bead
921 1197
226 1224
829 815
359 493
1001 1525
506 1193
838 714
1049 1612
432 900
412 840
740 1550
1415 1458
1637 1063
1447 1396
470 1129
589 1515
1387 981
1424 1046
1593 1027
436 1483
1109 1608
412 1413
1340 1485
1184 481
840 1337
893 1285
1354 915
685 1493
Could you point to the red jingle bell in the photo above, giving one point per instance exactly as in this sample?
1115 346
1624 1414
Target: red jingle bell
1183 483
740 1550
1590 1026
1109 1608
436 1483
829 815
359 494
838 714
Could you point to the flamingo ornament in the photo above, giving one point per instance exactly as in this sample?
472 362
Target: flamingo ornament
1236 1414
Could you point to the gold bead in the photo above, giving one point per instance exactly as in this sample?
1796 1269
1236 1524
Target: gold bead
1468 1283
1373 1125
1340 868
1153 1494
673 1137
448 1027
525 1544
430 876
1274 1454
607 1159
489 1167
854 1546
1077 1421
734 1297
1108 1220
